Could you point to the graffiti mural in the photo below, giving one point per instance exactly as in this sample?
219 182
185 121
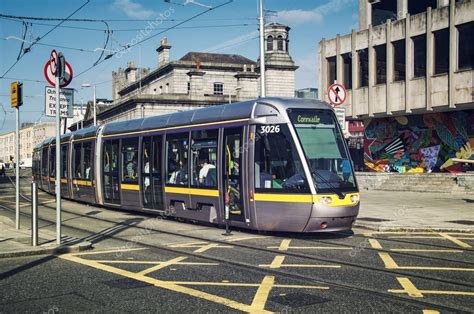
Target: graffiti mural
420 143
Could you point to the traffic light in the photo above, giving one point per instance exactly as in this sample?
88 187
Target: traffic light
16 94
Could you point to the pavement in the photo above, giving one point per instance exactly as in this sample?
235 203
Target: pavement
15 243
416 211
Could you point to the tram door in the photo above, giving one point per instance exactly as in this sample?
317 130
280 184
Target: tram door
232 172
110 170
151 185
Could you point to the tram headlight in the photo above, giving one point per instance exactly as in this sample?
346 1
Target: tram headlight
325 200
355 198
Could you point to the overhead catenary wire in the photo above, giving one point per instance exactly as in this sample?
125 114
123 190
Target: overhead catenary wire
133 29
41 37
154 35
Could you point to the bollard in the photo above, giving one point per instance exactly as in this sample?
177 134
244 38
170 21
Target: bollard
34 214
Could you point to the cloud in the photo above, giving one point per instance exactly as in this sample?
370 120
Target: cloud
133 9
316 15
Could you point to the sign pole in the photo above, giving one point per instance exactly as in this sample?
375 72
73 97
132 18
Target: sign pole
58 163
17 168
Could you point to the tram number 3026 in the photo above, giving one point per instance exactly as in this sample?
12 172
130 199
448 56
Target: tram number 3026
265 129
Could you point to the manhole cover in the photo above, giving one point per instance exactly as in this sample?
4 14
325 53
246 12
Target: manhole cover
126 283
373 219
463 222
298 299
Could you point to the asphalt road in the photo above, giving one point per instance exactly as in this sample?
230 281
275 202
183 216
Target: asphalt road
144 263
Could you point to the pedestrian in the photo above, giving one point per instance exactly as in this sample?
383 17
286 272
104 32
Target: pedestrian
2 170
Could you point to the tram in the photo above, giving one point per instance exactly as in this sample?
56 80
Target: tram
271 164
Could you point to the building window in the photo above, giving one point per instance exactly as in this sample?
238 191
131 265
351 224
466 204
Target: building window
189 87
332 69
384 10
270 43
347 70
381 64
167 88
466 46
280 43
417 6
399 60
218 89
441 51
363 68
161 90
419 56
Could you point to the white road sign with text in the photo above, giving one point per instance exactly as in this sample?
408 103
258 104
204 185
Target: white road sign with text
341 117
66 102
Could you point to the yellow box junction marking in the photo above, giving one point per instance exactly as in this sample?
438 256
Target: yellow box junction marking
278 263
285 246
245 238
454 237
410 289
390 263
201 246
376 245
258 304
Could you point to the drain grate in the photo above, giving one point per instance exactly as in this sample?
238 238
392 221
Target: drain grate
126 283
463 222
298 299
373 219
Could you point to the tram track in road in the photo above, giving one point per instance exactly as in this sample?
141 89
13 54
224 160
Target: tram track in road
300 255
266 271
255 267
308 238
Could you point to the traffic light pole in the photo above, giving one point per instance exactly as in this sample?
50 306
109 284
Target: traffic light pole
58 163
17 169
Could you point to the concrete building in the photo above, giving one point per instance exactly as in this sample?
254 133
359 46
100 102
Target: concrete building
409 73
198 79
31 134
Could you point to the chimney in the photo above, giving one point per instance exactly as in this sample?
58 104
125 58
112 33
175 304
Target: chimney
163 52
131 72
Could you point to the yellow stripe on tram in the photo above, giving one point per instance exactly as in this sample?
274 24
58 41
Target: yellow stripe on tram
130 187
191 191
285 198
82 182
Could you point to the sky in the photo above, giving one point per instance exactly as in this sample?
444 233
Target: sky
230 28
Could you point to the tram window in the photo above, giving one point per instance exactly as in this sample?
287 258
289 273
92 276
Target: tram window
324 147
130 161
52 161
77 169
277 164
87 163
44 162
204 158
64 161
177 159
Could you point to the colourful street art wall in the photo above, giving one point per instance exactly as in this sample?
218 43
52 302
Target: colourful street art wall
419 143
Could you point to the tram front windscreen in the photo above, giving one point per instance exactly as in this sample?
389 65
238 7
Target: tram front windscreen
324 148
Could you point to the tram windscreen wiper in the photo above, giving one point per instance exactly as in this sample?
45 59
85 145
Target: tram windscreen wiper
331 187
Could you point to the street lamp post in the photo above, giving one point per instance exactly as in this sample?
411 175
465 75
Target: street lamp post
94 105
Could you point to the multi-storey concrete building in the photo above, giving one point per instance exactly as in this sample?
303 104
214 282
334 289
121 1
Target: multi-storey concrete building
30 135
199 79
409 73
